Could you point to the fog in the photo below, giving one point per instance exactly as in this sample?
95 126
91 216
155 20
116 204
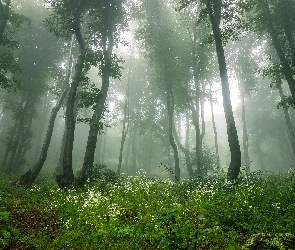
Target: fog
165 97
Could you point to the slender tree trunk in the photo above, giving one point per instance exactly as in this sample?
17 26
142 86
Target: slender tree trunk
245 132
66 85
16 135
99 108
185 151
66 180
277 45
103 154
214 127
170 110
42 125
196 114
29 177
258 151
24 143
133 150
127 154
59 167
124 131
214 8
288 121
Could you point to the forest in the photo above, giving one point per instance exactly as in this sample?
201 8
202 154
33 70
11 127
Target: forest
147 124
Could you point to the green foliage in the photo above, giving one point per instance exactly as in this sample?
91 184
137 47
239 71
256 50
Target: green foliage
143 213
209 162
8 230
102 175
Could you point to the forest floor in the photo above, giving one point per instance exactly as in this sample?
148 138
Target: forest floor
142 213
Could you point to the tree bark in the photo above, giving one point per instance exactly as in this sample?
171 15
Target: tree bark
214 9
277 45
66 180
108 44
288 122
29 177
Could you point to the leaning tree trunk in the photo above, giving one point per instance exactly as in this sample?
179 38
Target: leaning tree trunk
99 108
29 177
277 45
66 180
214 8
288 121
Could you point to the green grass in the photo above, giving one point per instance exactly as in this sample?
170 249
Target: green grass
142 213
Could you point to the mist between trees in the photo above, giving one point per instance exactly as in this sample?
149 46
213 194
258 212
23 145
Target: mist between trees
177 89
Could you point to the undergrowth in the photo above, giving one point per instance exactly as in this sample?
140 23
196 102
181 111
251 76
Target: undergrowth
143 213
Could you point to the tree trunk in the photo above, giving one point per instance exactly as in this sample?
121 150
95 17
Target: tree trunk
233 140
257 142
214 127
108 44
245 132
15 138
124 131
66 180
170 110
196 111
185 151
277 45
127 154
29 177
288 121
133 150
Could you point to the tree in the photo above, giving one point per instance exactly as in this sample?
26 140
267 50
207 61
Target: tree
32 86
72 13
214 11
276 24
29 177
10 23
125 124
111 16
